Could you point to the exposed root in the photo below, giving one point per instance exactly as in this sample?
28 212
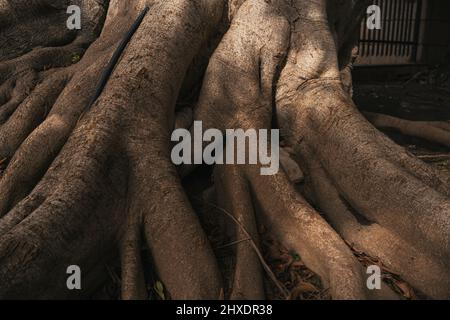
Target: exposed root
22 88
416 239
404 202
67 206
5 90
432 131
76 186
19 23
299 228
419 268
133 285
32 111
35 153
237 203
21 38
40 59
293 221
67 197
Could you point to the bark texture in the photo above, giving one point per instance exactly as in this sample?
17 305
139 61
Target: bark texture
87 184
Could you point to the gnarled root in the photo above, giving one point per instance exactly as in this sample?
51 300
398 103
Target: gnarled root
75 212
418 268
404 201
234 197
90 180
246 101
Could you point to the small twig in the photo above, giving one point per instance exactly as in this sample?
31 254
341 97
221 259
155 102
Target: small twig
113 275
435 156
232 243
3 165
414 77
266 267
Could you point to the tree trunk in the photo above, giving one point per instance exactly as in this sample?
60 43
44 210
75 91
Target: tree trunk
88 183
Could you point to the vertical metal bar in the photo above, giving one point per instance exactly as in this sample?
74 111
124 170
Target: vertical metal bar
378 36
396 27
390 27
418 17
384 34
424 10
412 31
366 38
380 32
361 38
396 23
392 33
400 32
410 26
402 28
374 37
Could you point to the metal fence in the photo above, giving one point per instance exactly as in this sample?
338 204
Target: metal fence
397 40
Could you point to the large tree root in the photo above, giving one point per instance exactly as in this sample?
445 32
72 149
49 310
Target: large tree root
20 91
31 113
84 183
31 152
378 179
417 267
234 197
41 230
299 227
246 102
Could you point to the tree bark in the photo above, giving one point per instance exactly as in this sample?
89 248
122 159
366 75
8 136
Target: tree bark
85 184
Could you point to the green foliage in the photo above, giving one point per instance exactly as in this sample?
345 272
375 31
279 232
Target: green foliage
159 289
75 57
